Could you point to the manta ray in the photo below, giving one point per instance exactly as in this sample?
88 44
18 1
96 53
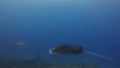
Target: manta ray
66 49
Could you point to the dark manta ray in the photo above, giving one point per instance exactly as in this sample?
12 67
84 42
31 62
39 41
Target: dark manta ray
73 50
66 50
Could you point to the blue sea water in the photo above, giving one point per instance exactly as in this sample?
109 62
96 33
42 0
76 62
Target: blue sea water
42 24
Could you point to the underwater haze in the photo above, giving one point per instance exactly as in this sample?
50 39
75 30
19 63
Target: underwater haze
29 28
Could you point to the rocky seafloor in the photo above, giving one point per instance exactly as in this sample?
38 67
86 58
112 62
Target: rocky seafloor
30 64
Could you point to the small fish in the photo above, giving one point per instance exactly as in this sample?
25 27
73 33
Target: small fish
23 45
73 50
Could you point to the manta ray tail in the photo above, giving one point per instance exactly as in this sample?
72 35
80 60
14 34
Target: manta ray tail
100 56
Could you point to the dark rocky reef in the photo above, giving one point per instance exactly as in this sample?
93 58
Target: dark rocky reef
31 64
